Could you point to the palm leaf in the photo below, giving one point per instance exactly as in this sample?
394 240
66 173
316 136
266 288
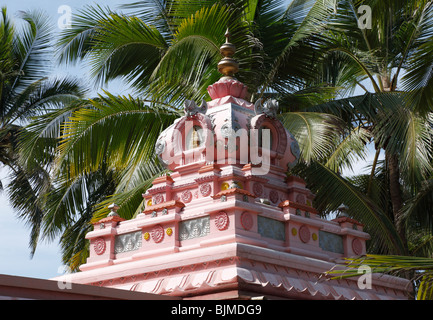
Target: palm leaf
123 129
315 132
331 189
76 42
126 47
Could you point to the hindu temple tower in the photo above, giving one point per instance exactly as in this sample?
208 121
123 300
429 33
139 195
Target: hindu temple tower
227 222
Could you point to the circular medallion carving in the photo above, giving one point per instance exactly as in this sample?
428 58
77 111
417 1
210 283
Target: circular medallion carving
247 220
273 196
304 234
99 246
157 199
205 189
357 246
222 221
300 198
157 233
186 196
257 189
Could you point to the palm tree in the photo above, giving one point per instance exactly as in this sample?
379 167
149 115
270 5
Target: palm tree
168 52
420 268
391 58
27 92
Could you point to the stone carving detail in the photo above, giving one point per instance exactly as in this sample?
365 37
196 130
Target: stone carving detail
271 228
304 234
127 242
300 198
99 246
157 233
273 196
222 221
270 108
228 130
205 189
159 198
331 242
257 189
357 246
247 220
191 108
194 228
186 196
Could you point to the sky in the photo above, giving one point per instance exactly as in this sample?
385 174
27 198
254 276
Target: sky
14 234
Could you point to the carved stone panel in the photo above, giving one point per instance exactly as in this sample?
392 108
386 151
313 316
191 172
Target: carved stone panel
331 242
127 242
271 228
194 228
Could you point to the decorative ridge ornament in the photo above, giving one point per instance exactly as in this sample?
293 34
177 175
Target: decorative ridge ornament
191 108
228 66
113 207
228 85
269 108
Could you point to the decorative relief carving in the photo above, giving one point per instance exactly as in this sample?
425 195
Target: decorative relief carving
157 199
273 196
257 189
304 234
271 228
99 246
247 220
157 233
127 242
357 246
300 198
194 228
186 196
222 221
330 242
205 189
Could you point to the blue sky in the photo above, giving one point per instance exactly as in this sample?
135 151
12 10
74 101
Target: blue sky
14 235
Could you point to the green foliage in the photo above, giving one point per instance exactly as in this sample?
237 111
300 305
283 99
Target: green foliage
309 55
26 91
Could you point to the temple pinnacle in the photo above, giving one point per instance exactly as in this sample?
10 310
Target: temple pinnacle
228 66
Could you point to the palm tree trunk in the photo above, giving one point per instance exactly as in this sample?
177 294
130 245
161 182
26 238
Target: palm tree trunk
396 194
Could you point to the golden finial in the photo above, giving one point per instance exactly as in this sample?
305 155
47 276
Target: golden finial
228 66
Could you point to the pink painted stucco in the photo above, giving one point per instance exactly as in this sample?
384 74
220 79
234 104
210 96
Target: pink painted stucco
213 229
